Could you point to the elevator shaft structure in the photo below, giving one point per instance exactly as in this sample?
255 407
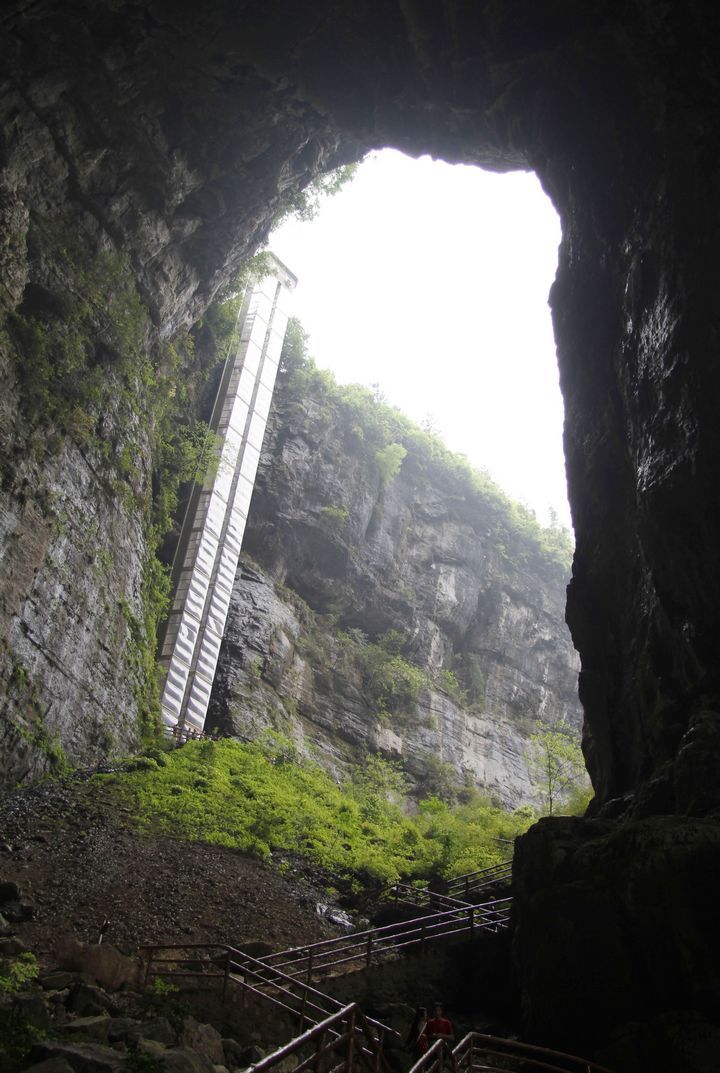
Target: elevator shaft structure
209 549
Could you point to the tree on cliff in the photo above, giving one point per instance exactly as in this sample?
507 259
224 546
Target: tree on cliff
555 763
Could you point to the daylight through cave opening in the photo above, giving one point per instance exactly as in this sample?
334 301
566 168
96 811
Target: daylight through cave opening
431 281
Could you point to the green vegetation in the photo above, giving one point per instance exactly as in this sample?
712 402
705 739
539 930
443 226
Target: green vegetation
261 798
304 204
389 460
391 683
557 767
17 972
17 1033
336 516
392 440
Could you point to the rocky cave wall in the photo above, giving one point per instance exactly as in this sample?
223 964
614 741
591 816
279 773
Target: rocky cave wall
336 558
173 133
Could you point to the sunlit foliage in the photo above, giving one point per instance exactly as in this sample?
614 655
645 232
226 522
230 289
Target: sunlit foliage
262 797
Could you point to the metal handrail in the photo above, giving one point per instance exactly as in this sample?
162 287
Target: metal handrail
531 1058
284 987
361 946
468 884
329 1037
433 1061
485 877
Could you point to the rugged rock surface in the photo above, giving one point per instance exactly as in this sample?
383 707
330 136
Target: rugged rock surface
71 573
176 133
336 559
617 939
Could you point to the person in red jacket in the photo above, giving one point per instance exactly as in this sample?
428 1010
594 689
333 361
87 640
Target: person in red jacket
439 1027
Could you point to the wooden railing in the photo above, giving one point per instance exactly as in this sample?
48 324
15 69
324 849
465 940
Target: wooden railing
182 732
461 890
473 882
477 1053
361 949
336 1045
299 965
253 977
422 898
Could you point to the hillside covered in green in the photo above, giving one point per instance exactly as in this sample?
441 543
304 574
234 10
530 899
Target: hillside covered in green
263 799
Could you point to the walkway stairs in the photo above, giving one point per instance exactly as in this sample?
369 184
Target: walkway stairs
341 1039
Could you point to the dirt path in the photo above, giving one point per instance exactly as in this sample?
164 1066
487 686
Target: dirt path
71 849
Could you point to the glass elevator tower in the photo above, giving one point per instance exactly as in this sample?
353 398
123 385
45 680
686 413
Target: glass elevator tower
212 533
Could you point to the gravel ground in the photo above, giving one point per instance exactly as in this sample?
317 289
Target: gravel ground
70 848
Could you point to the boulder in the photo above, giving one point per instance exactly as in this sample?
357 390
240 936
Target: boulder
5 928
102 963
57 981
185 1060
158 1029
82 1057
150 1046
234 1053
122 1028
95 1028
202 1038
85 1000
32 1010
250 1055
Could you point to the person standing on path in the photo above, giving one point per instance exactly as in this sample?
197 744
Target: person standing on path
417 1040
439 1027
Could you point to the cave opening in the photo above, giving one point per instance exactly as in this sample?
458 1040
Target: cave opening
175 138
429 282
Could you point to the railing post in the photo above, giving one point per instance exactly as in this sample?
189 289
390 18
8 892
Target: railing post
422 938
226 977
368 952
302 1010
379 1051
320 1063
472 922
309 964
351 1041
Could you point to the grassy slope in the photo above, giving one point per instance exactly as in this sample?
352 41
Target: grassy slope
259 798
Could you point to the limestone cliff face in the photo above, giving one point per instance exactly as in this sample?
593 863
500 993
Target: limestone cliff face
338 560
71 591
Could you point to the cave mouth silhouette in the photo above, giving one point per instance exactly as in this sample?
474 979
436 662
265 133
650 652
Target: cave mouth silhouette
450 268
175 133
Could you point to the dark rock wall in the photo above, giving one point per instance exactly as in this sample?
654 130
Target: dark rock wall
176 132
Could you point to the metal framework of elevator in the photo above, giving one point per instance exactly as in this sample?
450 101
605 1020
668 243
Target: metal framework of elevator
211 537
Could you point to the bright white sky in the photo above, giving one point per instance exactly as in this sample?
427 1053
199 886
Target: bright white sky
432 280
